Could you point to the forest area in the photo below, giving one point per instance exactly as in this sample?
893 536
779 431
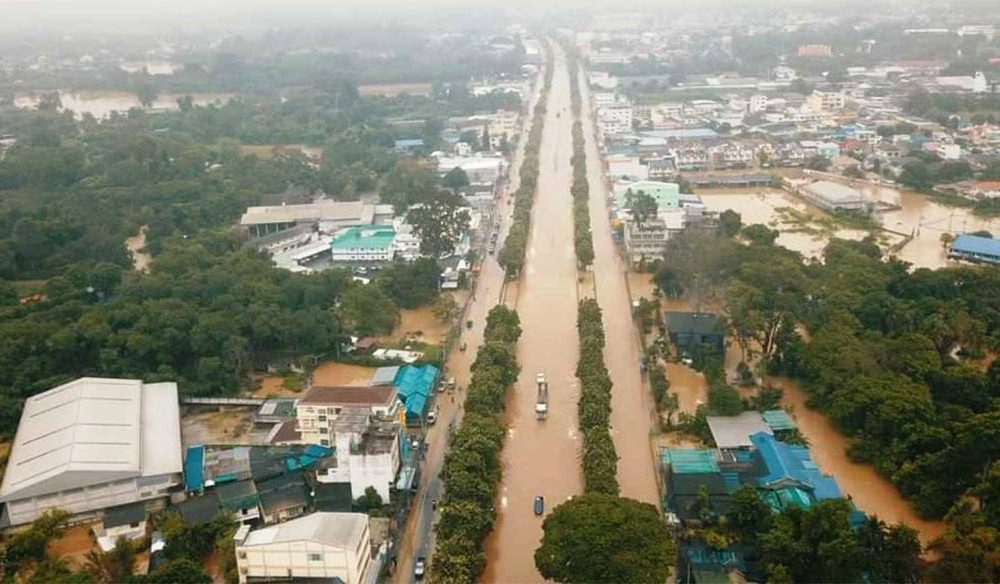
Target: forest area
903 362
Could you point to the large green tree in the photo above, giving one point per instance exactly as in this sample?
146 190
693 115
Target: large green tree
439 221
602 538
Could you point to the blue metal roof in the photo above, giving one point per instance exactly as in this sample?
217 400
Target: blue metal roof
415 380
977 245
787 464
194 468
409 143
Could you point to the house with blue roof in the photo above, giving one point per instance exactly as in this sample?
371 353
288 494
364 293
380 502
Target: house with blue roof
409 144
974 248
414 385
790 474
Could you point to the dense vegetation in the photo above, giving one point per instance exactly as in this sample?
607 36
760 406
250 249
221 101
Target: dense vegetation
511 256
600 462
583 243
472 466
598 538
895 358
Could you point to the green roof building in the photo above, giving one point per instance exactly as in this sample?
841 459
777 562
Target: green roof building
666 195
363 244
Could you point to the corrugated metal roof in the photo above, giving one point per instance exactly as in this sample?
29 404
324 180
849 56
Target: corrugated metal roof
339 530
91 431
689 460
735 431
976 245
779 420
787 464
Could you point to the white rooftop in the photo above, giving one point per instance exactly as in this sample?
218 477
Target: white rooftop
835 192
348 211
92 431
340 530
735 431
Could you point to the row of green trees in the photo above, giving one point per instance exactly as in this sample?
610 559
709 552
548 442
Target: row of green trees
583 243
472 466
600 462
511 256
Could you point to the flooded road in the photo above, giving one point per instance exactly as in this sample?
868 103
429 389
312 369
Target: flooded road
417 539
631 401
542 457
871 493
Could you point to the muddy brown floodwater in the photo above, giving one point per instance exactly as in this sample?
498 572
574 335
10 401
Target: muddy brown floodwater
542 457
631 402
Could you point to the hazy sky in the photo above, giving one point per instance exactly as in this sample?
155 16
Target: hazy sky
70 16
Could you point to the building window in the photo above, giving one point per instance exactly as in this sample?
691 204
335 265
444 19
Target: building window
315 557
322 418
242 555
324 442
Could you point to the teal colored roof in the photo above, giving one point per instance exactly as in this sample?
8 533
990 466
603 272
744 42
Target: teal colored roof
371 237
194 468
783 498
689 460
414 384
778 420
665 194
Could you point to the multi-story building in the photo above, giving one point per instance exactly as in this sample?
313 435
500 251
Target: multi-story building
648 240
826 101
614 120
814 51
327 547
92 444
360 423
757 103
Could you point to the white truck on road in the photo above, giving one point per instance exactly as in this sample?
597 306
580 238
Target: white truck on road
542 404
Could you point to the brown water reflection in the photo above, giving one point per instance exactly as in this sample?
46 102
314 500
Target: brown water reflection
542 457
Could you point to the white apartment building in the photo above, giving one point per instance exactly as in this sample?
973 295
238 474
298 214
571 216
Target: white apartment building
614 120
758 103
604 99
92 444
360 424
330 547
481 170
649 240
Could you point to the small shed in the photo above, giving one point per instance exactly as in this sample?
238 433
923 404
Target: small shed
128 521
690 330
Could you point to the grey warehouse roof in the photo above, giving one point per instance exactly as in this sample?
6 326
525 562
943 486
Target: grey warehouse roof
92 431
835 193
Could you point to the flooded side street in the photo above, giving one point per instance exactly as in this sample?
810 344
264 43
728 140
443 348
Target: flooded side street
631 402
542 457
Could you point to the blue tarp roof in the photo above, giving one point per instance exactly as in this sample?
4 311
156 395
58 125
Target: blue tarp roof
977 245
786 463
414 384
194 471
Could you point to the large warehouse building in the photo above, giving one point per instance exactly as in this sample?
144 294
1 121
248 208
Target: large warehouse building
91 444
831 196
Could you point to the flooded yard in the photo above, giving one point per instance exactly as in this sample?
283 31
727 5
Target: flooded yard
917 216
870 492
331 373
101 104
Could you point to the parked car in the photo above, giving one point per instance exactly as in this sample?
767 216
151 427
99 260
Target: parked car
432 416
420 568
539 505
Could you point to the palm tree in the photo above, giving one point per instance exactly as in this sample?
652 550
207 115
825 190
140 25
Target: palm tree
116 565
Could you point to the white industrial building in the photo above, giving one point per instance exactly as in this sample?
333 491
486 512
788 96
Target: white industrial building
92 444
330 547
832 196
614 120
481 170
327 216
